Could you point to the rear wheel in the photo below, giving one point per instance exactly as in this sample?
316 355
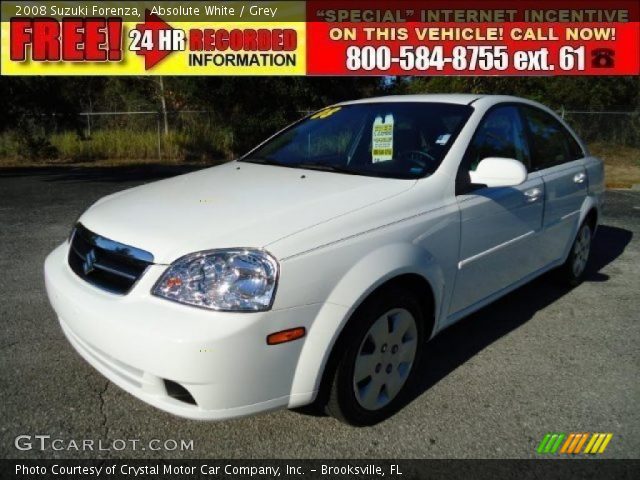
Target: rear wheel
384 341
575 267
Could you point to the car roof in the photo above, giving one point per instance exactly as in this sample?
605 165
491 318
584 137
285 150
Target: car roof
455 98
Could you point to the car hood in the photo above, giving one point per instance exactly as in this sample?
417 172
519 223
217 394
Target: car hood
233 205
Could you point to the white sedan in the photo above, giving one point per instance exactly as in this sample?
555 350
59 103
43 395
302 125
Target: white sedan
316 268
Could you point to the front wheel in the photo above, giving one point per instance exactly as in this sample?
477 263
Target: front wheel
575 267
385 341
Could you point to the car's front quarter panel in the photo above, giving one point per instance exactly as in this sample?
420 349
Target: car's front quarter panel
343 273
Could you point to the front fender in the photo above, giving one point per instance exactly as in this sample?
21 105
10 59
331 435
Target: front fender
382 265
373 270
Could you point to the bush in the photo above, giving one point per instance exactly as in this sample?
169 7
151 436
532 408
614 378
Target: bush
27 141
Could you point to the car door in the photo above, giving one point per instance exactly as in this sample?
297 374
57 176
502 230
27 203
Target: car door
499 225
557 157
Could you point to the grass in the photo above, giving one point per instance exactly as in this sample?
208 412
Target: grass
116 147
621 164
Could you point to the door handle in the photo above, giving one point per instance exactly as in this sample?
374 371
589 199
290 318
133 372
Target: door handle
533 195
579 177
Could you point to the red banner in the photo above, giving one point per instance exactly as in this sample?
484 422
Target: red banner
473 38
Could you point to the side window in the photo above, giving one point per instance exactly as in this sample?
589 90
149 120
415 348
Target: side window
501 134
551 143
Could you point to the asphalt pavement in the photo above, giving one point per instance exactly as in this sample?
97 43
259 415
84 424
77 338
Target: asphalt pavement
543 359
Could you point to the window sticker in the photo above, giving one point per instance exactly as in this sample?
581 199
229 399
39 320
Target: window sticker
443 139
327 112
382 139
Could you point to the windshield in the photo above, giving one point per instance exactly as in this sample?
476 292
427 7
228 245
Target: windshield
395 140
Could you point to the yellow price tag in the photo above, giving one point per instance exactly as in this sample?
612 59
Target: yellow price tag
327 112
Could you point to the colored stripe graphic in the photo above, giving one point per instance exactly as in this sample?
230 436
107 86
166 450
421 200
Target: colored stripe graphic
543 443
555 447
594 437
567 443
550 443
573 443
607 439
581 443
598 443
596 447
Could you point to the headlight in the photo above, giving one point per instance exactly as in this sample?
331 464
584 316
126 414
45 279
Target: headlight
231 280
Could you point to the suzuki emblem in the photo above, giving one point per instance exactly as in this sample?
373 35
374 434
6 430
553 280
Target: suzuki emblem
89 262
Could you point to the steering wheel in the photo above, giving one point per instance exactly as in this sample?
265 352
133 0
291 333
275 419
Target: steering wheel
409 155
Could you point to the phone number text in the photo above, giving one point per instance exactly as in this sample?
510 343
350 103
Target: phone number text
463 58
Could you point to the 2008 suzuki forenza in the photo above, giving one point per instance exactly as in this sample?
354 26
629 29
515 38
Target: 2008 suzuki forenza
316 268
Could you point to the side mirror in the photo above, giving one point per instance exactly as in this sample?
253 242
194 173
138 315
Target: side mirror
499 172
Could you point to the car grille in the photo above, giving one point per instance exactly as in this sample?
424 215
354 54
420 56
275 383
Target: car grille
111 266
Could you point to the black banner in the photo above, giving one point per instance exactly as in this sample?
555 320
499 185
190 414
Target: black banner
322 469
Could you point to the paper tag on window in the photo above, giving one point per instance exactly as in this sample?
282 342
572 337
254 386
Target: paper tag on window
443 139
382 139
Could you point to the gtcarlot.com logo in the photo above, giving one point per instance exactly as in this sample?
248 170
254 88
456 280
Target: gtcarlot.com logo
574 443
47 442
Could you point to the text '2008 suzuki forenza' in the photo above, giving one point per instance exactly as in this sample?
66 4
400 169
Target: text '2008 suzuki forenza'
317 267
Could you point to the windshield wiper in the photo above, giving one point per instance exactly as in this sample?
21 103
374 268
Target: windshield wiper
324 168
306 165
262 161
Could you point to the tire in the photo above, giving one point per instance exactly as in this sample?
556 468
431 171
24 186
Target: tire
573 270
379 350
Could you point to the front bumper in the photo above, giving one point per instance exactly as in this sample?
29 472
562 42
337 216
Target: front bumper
140 342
